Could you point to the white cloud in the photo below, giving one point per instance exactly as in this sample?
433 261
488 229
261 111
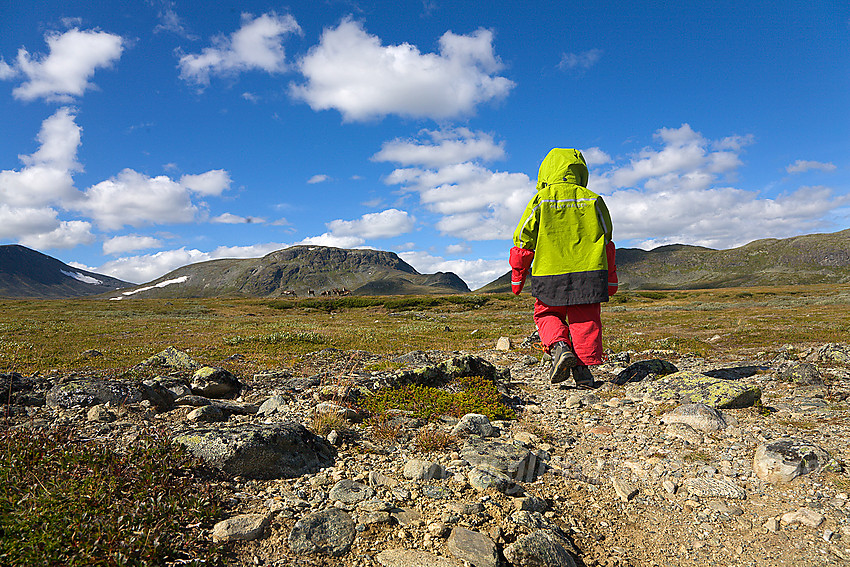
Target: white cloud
257 45
446 147
47 174
687 161
386 224
65 72
352 72
16 222
676 193
335 241
67 235
6 70
213 182
134 199
230 218
476 273
475 202
149 267
130 243
458 249
595 157
581 61
802 166
318 178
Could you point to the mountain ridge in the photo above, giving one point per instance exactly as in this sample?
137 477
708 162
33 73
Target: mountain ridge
26 273
807 259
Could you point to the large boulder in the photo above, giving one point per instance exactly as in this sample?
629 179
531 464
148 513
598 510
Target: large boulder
281 450
329 532
457 367
504 458
540 548
21 390
89 392
212 382
640 370
787 458
688 386
698 416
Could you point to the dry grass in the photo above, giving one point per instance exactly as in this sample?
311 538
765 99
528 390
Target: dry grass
51 334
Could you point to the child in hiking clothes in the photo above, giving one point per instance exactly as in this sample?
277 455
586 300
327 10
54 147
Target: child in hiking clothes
566 231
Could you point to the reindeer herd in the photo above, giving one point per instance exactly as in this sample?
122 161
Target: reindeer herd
325 293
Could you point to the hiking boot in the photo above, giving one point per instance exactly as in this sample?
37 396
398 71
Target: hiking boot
583 377
563 358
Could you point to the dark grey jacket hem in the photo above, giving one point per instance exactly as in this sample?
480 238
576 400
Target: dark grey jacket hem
575 288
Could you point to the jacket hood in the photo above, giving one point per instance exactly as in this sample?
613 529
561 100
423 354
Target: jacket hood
562 165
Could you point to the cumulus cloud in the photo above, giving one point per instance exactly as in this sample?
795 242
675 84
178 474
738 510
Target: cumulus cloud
476 273
130 243
802 166
475 203
67 235
65 71
352 72
678 192
134 199
318 178
257 45
213 182
385 224
579 61
148 267
47 173
230 218
595 157
444 148
335 241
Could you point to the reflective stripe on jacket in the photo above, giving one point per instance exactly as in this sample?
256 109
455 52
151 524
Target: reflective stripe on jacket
568 227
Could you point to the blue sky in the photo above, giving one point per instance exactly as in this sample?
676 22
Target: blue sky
138 137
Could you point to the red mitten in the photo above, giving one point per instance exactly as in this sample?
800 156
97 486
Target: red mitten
613 282
520 261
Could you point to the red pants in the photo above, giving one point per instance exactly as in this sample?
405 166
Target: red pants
583 332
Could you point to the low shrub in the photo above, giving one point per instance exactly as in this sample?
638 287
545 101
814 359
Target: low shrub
66 501
461 396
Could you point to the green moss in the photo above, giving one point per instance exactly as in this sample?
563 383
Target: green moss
461 396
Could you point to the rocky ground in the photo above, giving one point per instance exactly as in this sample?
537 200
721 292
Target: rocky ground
649 472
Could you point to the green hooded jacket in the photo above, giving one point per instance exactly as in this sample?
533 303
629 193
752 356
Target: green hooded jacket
568 227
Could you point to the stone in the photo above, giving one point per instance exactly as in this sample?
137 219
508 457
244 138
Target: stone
282 450
482 480
669 486
714 488
100 413
335 409
787 458
405 516
213 382
539 549
533 521
328 532
505 458
457 367
640 370
689 386
473 547
171 358
803 373
685 432
701 417
413 558
531 504
416 469
245 527
473 424
349 491
87 393
503 344
206 414
276 403
377 478
804 516
625 491
833 352
771 525
21 390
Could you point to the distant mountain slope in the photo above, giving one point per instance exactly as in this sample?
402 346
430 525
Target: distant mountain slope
25 273
808 259
300 269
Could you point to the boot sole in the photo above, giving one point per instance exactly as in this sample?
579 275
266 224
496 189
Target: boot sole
561 372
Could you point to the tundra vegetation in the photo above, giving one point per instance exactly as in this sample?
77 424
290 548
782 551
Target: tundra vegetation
153 503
